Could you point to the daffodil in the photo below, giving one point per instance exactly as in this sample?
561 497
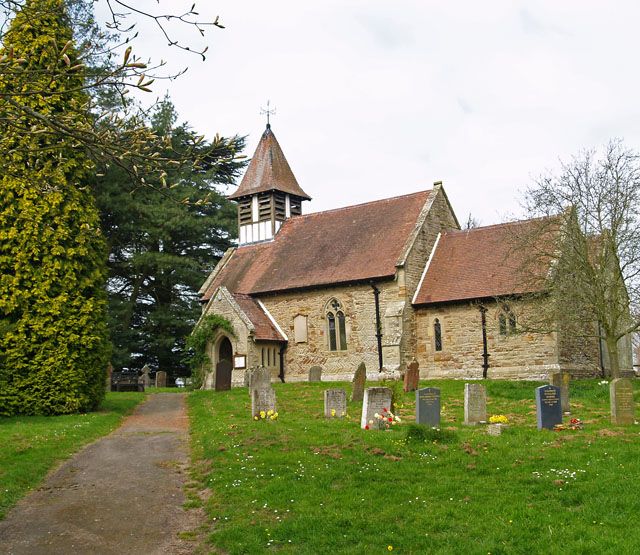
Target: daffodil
269 412
263 414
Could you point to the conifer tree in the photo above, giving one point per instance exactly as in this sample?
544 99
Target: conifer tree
160 248
53 336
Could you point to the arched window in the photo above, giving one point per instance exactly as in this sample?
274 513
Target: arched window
502 323
437 335
507 321
336 326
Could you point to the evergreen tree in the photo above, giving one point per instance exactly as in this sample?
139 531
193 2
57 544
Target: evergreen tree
53 336
163 240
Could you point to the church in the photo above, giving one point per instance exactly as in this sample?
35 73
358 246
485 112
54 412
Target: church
384 283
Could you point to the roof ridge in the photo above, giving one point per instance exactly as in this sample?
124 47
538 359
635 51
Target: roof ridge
503 224
358 205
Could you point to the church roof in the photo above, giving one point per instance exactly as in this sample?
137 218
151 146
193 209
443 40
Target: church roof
268 171
346 245
487 262
264 327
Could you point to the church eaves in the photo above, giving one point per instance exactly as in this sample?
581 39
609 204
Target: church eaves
269 171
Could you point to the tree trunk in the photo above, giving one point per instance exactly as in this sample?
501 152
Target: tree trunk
614 360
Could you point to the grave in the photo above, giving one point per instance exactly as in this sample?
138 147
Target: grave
315 374
375 399
475 403
621 397
145 378
561 380
412 376
263 398
359 379
259 377
161 378
335 403
548 407
428 406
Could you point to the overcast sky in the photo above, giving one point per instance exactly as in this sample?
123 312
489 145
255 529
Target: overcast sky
381 98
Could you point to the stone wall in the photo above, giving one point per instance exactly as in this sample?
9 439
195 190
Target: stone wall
357 302
515 356
440 217
242 343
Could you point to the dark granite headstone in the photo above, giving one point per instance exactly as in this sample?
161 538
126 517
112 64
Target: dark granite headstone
412 376
428 406
359 379
548 407
621 396
315 374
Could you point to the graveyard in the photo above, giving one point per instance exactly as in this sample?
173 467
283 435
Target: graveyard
313 482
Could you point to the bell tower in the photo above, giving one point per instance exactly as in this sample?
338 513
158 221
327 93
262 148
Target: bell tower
268 193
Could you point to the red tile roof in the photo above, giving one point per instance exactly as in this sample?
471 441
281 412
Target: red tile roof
265 329
268 171
489 261
351 244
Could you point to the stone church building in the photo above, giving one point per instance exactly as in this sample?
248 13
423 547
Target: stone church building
383 283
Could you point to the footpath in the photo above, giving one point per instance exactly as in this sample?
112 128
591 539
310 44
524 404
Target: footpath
122 494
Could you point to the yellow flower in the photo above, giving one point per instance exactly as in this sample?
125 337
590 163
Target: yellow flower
333 412
389 548
255 418
262 414
275 415
269 412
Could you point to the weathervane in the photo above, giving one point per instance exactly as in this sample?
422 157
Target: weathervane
268 112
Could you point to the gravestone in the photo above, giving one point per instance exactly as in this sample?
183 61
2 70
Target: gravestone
561 380
161 378
335 403
223 375
412 376
621 396
359 379
145 378
428 406
259 377
548 407
475 403
263 398
375 399
315 374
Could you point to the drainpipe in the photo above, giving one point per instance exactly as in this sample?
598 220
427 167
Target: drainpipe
281 374
485 354
376 296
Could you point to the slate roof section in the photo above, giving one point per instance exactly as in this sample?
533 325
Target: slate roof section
487 262
268 171
265 330
353 244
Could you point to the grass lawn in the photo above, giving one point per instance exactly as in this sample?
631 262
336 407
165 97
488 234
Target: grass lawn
31 445
304 484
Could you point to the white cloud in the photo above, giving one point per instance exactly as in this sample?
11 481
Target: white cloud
377 98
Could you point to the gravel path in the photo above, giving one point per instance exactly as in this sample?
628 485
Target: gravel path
122 494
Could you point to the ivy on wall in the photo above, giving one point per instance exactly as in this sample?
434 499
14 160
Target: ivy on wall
204 332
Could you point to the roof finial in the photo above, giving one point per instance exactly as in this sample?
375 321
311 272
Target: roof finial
269 112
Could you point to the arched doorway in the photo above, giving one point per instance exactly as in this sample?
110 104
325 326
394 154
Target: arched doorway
224 365
225 350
